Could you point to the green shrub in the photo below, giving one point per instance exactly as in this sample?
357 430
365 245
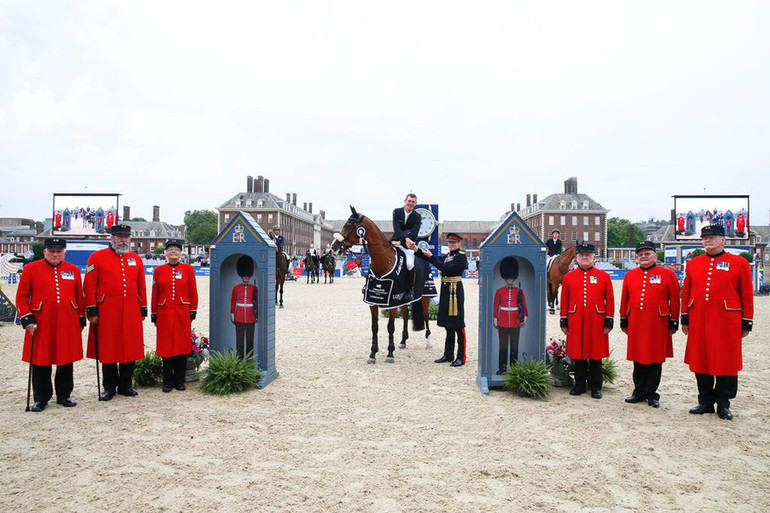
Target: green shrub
432 312
148 370
531 378
228 373
609 370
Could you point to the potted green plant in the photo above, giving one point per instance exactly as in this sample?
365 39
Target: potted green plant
528 379
560 365
228 373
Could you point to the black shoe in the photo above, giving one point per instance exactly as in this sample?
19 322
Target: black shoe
167 388
67 402
106 396
702 408
655 403
633 399
38 406
180 386
128 392
596 394
724 413
575 391
457 363
443 359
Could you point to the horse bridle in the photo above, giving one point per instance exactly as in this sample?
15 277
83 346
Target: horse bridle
360 231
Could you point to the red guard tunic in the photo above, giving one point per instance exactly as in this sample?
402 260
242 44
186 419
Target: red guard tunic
586 301
649 300
54 296
506 307
243 303
115 285
174 296
717 297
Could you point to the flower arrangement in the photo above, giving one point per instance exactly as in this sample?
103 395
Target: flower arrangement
561 364
199 349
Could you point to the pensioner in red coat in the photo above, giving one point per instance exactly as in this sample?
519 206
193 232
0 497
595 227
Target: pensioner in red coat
587 301
174 296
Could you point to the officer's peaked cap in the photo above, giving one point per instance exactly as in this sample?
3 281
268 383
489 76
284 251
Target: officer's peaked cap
712 229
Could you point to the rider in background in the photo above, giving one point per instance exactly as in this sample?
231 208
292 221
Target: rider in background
554 243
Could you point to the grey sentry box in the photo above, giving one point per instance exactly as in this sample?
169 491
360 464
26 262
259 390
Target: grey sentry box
243 236
512 239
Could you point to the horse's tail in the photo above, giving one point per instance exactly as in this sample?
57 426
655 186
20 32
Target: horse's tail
418 316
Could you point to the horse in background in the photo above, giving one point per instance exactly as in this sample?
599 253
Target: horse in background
359 229
311 268
329 266
281 269
557 268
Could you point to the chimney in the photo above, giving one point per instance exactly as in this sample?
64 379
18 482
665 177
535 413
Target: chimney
249 184
155 213
513 207
304 206
294 199
534 199
126 213
259 186
518 207
288 197
267 185
570 185
529 199
310 206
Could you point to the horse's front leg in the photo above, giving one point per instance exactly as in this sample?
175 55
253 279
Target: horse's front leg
280 305
375 328
391 331
405 331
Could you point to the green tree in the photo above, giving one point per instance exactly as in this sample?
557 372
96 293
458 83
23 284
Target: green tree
159 250
621 233
37 249
201 226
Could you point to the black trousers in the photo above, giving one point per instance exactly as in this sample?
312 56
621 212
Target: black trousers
42 390
509 346
244 330
449 344
726 388
591 371
647 380
117 375
174 370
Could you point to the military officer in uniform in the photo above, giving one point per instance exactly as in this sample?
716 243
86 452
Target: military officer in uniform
174 306
406 226
243 307
649 315
587 310
554 243
451 307
509 314
717 312
49 300
116 306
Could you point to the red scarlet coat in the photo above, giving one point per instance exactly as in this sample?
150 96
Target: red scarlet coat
115 285
174 296
507 298
716 298
243 303
54 296
649 300
586 302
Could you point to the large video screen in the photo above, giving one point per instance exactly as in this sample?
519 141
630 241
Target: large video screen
694 212
84 214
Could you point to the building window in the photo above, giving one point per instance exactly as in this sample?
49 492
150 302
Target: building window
260 203
259 218
598 220
597 237
574 221
574 236
269 218
248 203
585 220
227 218
563 204
573 204
585 236
550 220
563 220
585 204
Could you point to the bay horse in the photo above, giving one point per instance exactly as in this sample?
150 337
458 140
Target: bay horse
329 266
359 229
311 268
559 267
281 268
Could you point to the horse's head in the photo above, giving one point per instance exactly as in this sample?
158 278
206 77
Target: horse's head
351 233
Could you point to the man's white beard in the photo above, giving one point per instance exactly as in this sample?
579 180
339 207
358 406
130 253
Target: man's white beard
120 249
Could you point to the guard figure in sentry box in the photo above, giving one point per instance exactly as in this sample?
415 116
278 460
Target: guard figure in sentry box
509 314
244 302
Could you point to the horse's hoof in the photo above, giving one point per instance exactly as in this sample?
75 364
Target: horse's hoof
280 306
402 345
390 359
371 360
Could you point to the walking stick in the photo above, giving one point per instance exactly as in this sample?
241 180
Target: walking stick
96 351
31 353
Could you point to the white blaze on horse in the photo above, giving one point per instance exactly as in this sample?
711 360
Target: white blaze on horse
387 281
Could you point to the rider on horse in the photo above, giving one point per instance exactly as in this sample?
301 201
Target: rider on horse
406 226
279 240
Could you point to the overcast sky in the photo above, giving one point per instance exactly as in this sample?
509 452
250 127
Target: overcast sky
472 105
